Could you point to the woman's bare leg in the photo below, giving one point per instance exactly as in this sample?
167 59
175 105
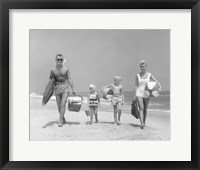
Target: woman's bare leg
146 102
141 109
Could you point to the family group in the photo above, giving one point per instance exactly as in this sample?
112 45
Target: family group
61 75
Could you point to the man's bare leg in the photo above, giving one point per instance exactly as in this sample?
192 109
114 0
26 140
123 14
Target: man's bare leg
58 101
63 101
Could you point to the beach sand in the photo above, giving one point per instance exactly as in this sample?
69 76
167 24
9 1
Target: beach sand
43 126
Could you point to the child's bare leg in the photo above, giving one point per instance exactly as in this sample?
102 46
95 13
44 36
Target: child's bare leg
115 114
96 115
91 116
119 111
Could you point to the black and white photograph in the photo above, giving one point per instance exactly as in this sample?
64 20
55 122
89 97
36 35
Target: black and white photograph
99 85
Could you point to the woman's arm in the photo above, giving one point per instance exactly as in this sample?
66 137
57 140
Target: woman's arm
154 79
135 88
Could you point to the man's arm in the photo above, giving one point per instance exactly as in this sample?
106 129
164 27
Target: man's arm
51 75
70 80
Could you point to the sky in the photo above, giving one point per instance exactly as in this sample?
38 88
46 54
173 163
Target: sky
96 56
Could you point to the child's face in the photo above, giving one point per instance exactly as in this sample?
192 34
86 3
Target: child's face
92 90
117 81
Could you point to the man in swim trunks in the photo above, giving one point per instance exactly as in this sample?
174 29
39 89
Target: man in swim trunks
63 79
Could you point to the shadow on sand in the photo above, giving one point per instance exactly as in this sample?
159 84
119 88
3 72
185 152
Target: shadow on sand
134 125
88 122
56 122
108 122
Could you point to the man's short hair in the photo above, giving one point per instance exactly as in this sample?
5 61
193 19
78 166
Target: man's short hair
59 55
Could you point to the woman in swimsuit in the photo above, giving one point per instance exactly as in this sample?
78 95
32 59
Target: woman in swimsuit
140 96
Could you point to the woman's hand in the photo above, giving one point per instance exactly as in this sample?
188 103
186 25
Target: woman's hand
134 98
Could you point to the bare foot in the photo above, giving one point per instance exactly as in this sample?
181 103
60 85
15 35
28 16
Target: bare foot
60 123
64 120
142 126
117 123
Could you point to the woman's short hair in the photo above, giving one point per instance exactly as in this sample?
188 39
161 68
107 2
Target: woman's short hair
143 62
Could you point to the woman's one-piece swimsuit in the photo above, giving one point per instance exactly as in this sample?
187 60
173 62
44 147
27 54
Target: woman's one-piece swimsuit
141 86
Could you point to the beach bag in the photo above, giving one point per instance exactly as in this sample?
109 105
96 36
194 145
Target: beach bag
74 102
89 112
134 109
49 89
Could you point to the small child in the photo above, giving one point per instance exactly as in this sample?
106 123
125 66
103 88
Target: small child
93 102
117 98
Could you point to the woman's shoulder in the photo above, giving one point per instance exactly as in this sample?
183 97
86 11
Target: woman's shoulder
149 74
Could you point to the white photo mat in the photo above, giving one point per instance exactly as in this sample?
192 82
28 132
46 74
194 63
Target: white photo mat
178 149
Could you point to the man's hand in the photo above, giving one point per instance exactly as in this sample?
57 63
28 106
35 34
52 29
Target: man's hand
64 61
73 91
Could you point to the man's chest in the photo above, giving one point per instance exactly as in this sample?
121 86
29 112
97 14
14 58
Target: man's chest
60 73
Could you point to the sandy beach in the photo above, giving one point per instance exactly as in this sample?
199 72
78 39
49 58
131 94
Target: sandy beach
43 126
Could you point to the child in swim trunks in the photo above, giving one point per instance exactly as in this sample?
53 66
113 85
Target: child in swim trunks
93 103
117 98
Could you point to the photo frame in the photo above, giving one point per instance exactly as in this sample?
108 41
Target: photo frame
118 4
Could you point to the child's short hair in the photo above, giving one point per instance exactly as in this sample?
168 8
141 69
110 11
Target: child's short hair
143 62
92 86
118 78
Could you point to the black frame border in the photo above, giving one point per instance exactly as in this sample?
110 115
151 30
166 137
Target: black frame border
5 5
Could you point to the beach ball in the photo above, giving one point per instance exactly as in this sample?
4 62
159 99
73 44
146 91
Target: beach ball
106 93
152 89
